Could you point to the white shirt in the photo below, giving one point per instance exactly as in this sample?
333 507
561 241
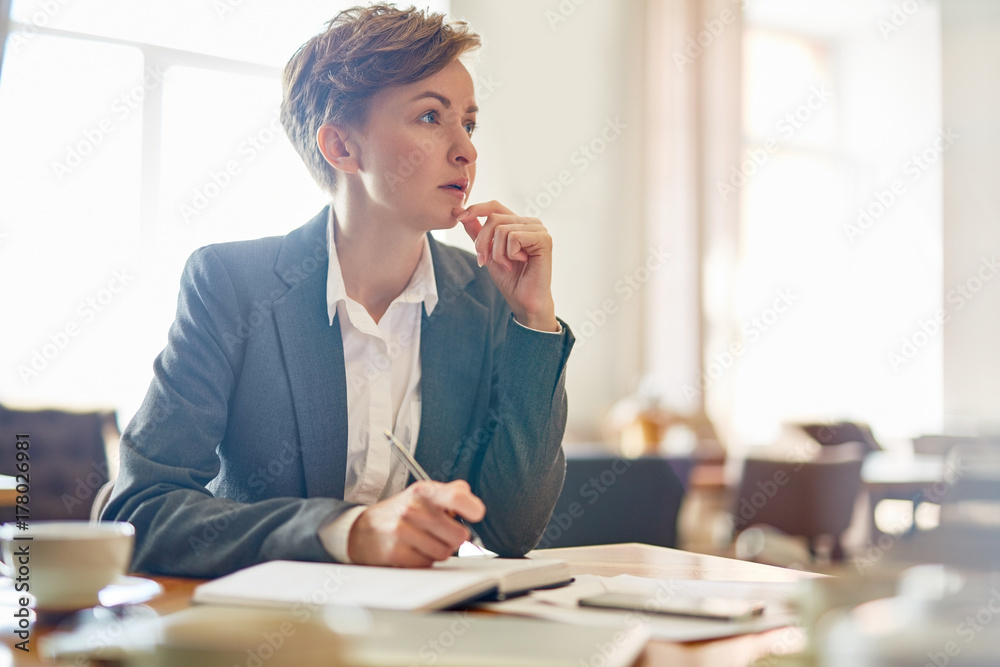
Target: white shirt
382 362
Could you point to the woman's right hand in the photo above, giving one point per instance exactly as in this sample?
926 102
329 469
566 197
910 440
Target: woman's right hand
415 527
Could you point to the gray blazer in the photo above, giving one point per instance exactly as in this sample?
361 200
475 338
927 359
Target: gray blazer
238 453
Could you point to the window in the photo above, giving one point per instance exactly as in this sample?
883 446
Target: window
131 134
839 277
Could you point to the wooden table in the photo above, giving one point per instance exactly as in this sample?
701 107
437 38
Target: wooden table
8 493
609 560
659 562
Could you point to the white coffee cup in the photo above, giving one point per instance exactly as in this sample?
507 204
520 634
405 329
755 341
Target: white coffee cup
65 564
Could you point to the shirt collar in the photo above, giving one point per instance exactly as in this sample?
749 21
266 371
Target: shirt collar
422 287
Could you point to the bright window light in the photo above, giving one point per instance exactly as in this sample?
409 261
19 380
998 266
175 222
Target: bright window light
131 134
839 277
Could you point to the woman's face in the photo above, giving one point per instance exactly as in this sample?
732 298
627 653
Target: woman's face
416 161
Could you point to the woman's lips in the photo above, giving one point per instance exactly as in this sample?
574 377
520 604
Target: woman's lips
458 193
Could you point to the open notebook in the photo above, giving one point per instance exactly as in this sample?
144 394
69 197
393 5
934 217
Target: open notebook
452 582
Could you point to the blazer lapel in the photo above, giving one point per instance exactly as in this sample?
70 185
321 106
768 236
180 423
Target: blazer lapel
314 359
452 348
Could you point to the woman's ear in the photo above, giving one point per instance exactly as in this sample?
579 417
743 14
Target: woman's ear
334 144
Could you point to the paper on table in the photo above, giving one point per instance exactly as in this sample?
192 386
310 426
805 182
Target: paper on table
513 575
773 592
563 605
294 585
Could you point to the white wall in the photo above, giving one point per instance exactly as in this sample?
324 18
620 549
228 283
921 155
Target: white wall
971 72
563 74
553 72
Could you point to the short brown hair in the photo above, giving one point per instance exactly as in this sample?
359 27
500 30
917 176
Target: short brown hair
333 76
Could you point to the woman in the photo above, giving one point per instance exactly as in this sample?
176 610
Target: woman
261 434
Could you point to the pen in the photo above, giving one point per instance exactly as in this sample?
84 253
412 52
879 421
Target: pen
418 472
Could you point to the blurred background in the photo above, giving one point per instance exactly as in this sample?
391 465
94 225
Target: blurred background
764 212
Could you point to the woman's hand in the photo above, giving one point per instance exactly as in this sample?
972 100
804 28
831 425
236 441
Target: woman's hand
517 252
415 527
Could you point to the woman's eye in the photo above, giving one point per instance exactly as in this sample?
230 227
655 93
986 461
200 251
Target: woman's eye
430 117
470 127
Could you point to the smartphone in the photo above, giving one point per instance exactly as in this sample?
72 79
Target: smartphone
715 608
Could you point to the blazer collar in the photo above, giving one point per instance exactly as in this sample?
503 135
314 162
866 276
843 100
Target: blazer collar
314 358
454 340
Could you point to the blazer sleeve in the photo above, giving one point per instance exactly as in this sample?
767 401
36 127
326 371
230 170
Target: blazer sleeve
522 469
169 453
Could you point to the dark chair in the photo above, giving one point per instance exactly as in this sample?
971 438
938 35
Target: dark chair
608 499
68 459
812 499
838 433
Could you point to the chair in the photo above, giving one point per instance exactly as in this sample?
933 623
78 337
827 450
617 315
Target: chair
838 433
939 445
69 459
101 499
811 499
607 499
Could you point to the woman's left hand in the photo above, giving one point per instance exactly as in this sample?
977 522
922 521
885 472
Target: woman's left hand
517 252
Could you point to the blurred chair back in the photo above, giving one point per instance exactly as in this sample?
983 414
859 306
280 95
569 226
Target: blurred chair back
940 445
68 459
608 499
811 499
972 485
838 433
